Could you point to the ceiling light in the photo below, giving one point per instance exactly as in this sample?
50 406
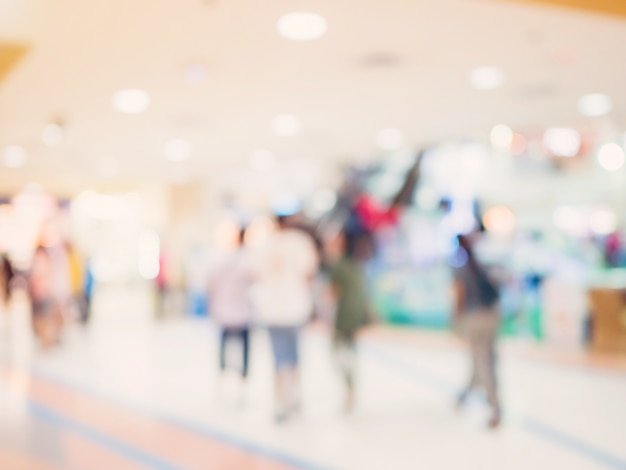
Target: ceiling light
195 73
286 204
177 150
595 104
390 139
148 254
52 135
14 156
501 137
108 207
562 142
519 146
286 125
486 78
262 160
603 221
611 157
500 220
571 220
302 26
131 101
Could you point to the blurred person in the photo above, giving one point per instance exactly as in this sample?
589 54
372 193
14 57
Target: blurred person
229 291
76 275
284 269
88 289
613 250
347 279
477 316
7 274
47 308
195 275
363 215
161 285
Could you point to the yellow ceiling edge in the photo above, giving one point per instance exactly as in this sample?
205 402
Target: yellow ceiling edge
10 54
609 7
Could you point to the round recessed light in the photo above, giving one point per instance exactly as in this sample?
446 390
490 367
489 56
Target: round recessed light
177 150
501 137
195 73
302 26
500 220
286 125
52 135
611 157
562 142
570 219
390 139
486 78
595 104
14 156
519 145
262 160
286 204
131 101
603 221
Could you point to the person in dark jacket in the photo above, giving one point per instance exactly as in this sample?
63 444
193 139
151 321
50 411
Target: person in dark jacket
477 315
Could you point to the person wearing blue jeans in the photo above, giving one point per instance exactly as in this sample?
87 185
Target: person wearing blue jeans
243 334
229 289
284 268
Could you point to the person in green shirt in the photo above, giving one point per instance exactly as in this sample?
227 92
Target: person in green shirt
347 280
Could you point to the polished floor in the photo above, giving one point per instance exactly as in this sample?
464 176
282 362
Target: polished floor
129 393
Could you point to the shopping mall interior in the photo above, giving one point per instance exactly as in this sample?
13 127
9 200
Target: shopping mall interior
431 183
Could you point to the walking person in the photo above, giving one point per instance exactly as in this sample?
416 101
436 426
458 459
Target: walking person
477 314
347 280
161 287
284 269
88 290
47 309
229 292
7 274
76 272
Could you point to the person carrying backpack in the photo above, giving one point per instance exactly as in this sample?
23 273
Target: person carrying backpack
477 314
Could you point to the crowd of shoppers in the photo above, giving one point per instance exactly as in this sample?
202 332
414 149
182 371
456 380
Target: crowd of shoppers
272 286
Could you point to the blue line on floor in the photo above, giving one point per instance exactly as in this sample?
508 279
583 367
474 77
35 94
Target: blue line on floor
239 443
564 440
391 361
535 427
119 447
244 445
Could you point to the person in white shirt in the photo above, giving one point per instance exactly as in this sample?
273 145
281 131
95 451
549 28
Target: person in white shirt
284 268
229 289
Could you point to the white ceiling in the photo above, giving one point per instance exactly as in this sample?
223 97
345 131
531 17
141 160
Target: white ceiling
83 51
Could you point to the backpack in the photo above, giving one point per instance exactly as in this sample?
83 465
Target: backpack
487 291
